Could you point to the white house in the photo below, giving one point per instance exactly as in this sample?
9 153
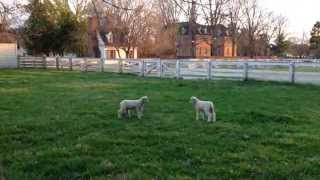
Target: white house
109 51
119 53
8 55
102 44
8 50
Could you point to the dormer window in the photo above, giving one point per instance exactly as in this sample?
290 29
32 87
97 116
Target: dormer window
109 37
183 30
219 33
205 30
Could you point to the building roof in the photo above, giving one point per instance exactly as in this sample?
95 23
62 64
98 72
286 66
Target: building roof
105 31
6 37
218 30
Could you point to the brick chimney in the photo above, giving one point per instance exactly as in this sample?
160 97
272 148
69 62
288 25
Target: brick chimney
193 13
192 27
92 24
92 36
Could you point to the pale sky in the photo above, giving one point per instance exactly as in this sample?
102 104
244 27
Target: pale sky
302 14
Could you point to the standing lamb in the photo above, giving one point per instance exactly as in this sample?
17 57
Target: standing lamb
137 105
205 108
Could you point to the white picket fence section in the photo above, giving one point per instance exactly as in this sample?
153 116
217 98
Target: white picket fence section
294 71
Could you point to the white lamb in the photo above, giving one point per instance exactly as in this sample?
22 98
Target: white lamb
137 105
205 108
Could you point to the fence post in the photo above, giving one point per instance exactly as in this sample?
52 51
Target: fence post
120 67
85 64
159 68
209 70
246 71
142 68
178 73
18 61
58 62
70 63
44 61
33 62
102 64
292 73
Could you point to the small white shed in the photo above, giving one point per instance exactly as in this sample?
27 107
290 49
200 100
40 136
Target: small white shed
8 55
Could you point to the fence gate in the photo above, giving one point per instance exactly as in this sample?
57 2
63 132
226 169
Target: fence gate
129 66
150 68
31 62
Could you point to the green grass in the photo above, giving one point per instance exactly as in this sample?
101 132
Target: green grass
63 125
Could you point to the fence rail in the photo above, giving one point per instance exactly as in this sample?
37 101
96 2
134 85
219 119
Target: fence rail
294 71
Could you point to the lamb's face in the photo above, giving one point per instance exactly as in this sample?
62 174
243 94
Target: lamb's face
145 99
193 100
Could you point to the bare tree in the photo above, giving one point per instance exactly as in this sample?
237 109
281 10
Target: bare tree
167 11
103 8
128 23
252 24
304 47
214 13
299 46
167 14
267 34
138 26
80 7
121 17
97 8
234 8
189 10
9 14
281 23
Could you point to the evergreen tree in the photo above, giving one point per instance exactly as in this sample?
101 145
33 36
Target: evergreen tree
54 28
315 40
281 45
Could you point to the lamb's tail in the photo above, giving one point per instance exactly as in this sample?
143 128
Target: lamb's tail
211 107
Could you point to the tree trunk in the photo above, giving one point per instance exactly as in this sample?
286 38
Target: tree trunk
234 52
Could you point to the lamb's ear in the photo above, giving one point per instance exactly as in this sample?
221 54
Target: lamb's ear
145 98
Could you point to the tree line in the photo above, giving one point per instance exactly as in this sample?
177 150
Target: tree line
60 26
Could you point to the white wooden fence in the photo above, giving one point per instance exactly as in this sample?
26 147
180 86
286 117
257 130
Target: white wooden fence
294 71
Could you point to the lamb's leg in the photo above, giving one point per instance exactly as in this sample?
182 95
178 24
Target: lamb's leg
129 113
202 114
214 117
120 114
141 111
139 114
209 115
197 115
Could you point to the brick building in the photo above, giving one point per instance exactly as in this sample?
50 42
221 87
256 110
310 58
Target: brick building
202 41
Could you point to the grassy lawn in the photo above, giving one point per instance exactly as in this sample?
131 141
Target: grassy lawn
63 125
